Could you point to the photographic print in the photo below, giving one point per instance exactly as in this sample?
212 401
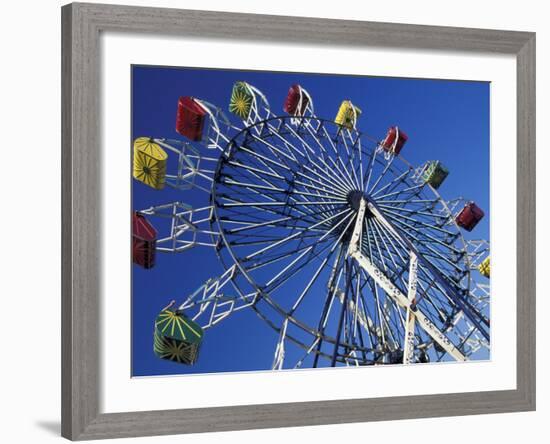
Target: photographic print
288 221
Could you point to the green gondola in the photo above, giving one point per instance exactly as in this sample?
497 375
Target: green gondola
176 337
435 173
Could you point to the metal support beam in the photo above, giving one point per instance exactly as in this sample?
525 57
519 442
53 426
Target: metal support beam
393 292
408 352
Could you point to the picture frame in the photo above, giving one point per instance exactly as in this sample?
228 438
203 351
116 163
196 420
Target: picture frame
81 209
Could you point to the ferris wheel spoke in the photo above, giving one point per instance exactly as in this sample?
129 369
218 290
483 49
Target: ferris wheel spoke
314 277
435 291
331 196
264 239
431 289
343 308
392 241
233 203
276 257
311 150
309 351
294 224
374 287
316 244
370 167
304 219
252 185
276 150
381 233
308 150
269 197
396 181
411 228
274 192
322 266
356 307
377 245
227 182
317 139
371 326
327 169
388 334
401 191
410 201
294 236
262 173
397 216
265 160
393 312
433 222
318 192
384 238
336 273
333 172
324 181
337 170
328 207
251 225
341 135
311 186
427 251
381 176
362 314
254 161
253 174
353 183
352 162
361 172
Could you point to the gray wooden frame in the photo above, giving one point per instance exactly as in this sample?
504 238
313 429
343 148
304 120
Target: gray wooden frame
81 233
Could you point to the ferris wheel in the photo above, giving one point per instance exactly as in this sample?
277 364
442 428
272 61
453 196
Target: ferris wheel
330 236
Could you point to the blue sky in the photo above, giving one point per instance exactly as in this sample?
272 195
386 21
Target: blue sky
445 120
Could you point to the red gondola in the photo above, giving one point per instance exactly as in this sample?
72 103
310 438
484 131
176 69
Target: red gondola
395 140
469 216
190 118
144 241
296 101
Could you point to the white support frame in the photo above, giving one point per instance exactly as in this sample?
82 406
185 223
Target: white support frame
189 227
392 291
213 304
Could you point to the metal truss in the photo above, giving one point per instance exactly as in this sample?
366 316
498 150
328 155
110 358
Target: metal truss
219 127
184 227
210 303
477 250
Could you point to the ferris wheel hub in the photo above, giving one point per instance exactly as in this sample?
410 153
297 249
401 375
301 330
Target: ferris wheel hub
354 198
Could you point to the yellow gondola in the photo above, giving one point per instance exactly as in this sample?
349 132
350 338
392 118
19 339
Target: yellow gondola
347 114
485 267
149 163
